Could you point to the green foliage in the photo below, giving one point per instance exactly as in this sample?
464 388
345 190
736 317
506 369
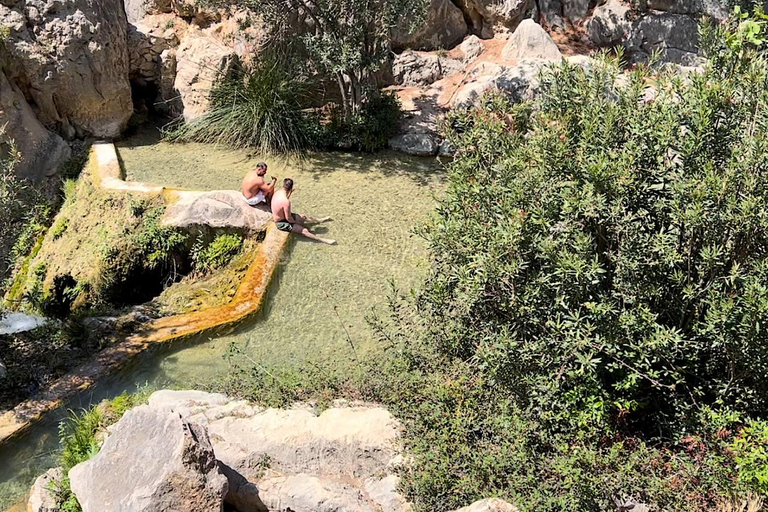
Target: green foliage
349 40
750 450
260 106
216 254
368 130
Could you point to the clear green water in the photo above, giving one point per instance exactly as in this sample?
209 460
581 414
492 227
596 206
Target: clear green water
321 295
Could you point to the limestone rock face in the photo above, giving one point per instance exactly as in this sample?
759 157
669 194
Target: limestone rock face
41 151
488 16
530 41
489 505
676 36
137 9
71 58
418 69
42 497
201 61
215 209
444 28
294 459
153 461
609 25
472 48
520 81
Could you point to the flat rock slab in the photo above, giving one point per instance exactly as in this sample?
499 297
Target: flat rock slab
215 209
153 461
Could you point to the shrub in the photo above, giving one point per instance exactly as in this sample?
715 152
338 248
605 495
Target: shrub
259 106
217 253
368 130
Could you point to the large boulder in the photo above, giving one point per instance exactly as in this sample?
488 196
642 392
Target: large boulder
42 152
71 58
717 9
218 209
153 461
486 17
414 69
530 41
675 36
416 144
609 24
520 82
201 61
296 459
444 28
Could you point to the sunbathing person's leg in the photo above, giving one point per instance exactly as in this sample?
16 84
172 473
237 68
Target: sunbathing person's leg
298 228
307 221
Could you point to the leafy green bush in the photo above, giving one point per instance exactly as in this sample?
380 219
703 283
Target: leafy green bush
260 106
215 254
599 280
368 130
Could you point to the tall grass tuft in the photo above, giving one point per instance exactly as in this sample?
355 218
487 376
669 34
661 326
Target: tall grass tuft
258 106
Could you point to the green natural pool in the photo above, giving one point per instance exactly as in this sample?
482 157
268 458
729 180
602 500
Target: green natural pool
321 295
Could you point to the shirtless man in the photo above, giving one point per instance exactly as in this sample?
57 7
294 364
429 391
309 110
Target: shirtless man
286 220
255 189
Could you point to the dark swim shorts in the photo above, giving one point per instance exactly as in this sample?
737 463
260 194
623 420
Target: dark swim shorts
284 225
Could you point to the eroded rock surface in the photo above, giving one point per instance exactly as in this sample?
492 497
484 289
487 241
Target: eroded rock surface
489 505
609 25
201 61
42 498
153 461
530 41
42 152
216 209
295 459
444 28
420 69
71 58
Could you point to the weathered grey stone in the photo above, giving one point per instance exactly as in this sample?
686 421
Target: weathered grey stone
609 24
342 442
42 498
675 36
307 493
415 69
168 98
42 152
71 58
472 48
215 209
489 505
383 492
201 61
485 17
137 9
153 461
417 144
717 9
520 82
530 41
576 10
444 28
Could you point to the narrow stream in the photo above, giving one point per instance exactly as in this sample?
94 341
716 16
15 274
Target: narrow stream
319 300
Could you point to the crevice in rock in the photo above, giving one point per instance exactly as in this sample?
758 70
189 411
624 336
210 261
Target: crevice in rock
472 18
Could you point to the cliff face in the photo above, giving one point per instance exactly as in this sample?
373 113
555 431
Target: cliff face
70 59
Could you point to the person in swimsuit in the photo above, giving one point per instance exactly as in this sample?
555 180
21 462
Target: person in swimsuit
289 221
255 189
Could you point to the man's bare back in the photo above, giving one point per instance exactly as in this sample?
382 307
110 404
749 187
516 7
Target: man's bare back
286 220
255 190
